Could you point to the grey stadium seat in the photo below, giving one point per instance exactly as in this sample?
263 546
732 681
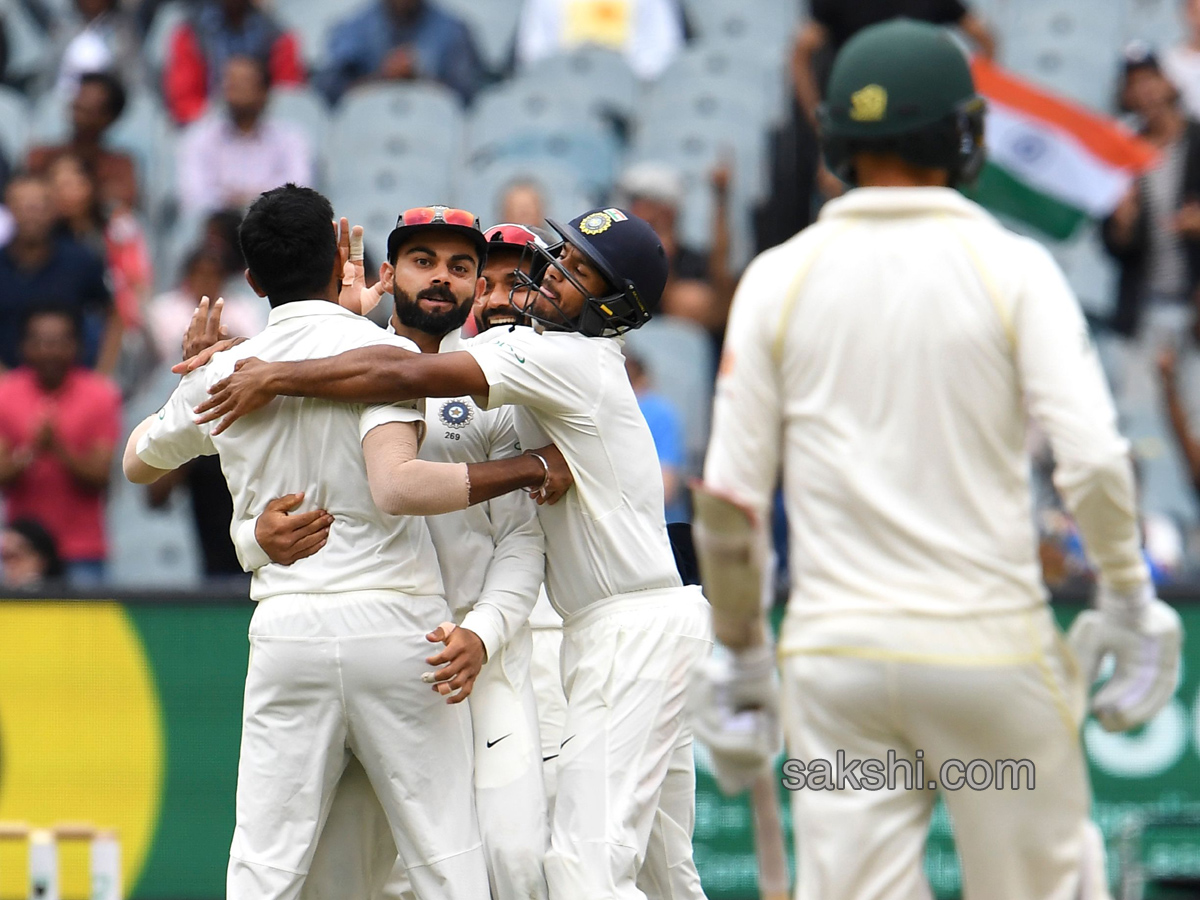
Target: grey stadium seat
14 125
562 191
313 20
597 77
493 25
1064 45
511 109
408 115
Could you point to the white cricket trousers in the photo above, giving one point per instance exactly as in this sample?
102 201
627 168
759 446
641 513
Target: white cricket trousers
625 808
545 671
356 857
996 687
335 674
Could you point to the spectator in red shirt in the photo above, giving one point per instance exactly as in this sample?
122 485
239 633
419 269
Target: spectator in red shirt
201 47
59 423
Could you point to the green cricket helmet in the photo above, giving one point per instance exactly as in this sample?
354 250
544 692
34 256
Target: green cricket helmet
903 87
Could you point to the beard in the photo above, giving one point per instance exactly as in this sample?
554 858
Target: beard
409 312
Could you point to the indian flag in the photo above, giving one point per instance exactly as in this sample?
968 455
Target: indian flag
1051 163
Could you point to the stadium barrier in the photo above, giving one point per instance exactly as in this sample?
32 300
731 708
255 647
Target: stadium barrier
127 712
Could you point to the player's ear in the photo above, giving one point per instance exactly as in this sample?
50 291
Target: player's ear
387 276
254 285
480 288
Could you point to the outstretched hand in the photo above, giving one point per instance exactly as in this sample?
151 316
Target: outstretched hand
240 394
205 337
461 661
355 295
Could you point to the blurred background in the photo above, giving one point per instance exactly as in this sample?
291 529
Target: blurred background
134 132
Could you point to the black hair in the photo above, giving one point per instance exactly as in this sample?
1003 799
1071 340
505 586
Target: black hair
43 544
288 240
70 313
117 97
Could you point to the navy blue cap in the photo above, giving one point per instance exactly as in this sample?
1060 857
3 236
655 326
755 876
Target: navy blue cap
626 251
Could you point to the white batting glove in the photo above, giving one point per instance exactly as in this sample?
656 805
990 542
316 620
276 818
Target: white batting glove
1144 636
734 702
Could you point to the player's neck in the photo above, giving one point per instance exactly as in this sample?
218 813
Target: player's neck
429 343
888 170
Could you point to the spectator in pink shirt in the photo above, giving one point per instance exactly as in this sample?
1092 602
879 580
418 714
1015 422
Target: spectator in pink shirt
59 423
230 157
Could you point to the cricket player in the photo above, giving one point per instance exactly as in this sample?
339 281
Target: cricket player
887 359
338 641
495 310
632 633
492 563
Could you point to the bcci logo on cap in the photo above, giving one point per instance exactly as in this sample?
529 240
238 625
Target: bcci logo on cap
869 104
456 413
600 222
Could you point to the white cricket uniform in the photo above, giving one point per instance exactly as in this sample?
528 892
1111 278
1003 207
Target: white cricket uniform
632 633
545 671
887 358
337 642
492 563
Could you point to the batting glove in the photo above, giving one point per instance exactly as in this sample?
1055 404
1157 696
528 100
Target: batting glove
1144 636
734 702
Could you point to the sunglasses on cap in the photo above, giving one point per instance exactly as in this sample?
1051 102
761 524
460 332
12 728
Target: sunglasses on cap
437 215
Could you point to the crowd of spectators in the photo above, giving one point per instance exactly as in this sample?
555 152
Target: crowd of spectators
94 298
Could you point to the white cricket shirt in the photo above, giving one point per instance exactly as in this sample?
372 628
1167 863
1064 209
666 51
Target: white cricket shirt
491 554
608 535
887 357
299 444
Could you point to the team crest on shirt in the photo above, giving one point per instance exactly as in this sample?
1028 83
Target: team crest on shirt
456 413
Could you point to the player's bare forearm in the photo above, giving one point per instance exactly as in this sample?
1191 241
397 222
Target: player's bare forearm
503 476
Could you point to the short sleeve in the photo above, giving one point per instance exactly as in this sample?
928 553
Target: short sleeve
174 438
374 416
550 373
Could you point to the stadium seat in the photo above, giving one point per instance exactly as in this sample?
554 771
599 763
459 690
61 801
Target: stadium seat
764 28
1056 43
14 125
1157 22
313 20
563 193
158 39
679 357
493 25
401 113
521 106
29 49
596 77
718 67
591 150
150 548
420 179
142 130
50 121
302 107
